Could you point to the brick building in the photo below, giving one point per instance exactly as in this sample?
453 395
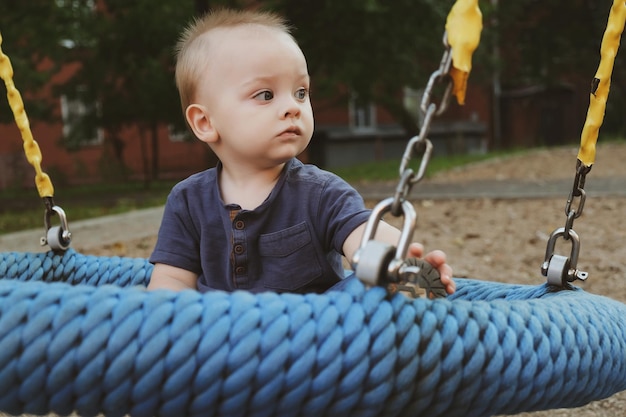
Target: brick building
345 134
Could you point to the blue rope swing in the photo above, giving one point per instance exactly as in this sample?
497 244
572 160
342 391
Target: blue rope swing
100 348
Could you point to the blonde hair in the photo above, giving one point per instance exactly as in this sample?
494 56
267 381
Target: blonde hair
191 54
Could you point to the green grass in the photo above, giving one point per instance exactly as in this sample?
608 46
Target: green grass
22 209
389 169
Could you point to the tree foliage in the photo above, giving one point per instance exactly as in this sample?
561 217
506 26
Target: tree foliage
549 42
126 56
32 34
550 38
371 48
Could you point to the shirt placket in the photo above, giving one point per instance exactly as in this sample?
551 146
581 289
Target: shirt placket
239 254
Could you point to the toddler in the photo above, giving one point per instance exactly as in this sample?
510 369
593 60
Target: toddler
260 220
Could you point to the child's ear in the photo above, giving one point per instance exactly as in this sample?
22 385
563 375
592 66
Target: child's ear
200 122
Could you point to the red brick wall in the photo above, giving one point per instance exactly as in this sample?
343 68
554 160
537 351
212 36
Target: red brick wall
176 159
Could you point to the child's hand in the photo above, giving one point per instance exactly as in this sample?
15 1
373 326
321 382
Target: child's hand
437 259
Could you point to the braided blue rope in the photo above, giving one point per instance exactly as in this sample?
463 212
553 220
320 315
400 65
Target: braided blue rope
102 348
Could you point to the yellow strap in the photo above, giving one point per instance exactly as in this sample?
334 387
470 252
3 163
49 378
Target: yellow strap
31 148
602 83
463 26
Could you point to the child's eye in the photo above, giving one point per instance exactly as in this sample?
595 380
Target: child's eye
302 93
264 95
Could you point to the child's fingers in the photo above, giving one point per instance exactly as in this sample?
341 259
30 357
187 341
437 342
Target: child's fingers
416 250
436 258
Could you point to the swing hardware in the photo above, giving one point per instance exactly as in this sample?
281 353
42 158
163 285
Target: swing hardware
408 177
57 237
578 190
375 262
421 143
418 278
441 74
402 191
559 269
378 263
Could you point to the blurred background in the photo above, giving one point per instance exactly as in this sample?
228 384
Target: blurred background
97 80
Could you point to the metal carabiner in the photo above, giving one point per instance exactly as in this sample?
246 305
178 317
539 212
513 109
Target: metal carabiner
376 262
560 269
57 237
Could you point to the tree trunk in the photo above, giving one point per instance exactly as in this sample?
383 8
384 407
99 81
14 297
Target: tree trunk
111 164
154 134
145 161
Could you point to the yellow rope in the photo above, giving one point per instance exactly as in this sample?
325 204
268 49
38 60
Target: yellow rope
463 26
31 148
602 83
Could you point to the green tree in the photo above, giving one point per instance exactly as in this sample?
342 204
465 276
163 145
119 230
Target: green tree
126 68
372 48
550 38
549 42
32 38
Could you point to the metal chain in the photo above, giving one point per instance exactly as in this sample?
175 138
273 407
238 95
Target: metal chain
576 200
375 262
379 263
561 269
420 143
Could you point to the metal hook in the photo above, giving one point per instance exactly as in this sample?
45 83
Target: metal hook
57 237
375 262
560 269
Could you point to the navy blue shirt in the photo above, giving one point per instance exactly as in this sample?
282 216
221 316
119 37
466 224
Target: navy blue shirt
292 242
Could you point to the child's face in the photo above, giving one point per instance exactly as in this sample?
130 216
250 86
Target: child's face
256 95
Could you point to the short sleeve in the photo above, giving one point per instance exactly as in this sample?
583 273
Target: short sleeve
342 209
178 240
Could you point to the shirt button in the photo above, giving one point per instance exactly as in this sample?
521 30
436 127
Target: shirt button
240 270
239 249
239 224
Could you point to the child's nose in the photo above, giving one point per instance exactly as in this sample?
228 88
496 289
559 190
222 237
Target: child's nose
291 108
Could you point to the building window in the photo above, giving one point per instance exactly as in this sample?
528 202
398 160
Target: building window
177 134
362 114
79 121
412 99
